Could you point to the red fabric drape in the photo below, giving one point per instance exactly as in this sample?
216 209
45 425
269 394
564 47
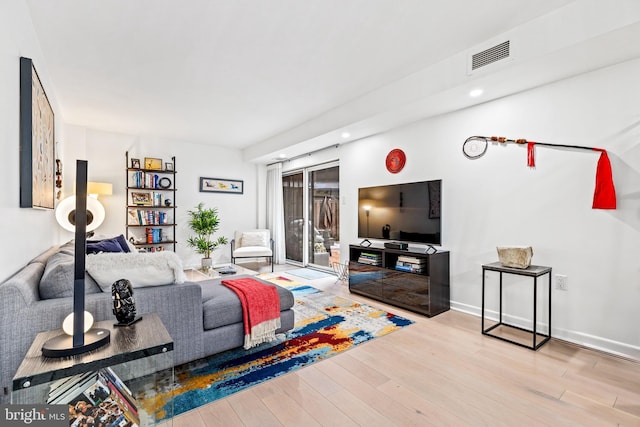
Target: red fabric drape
604 195
531 160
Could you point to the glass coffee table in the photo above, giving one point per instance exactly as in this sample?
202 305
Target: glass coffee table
195 274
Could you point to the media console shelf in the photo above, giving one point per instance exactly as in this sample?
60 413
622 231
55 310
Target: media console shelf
416 281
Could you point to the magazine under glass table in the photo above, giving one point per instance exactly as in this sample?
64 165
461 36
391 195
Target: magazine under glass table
138 361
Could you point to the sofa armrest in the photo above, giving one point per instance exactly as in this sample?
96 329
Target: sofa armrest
179 308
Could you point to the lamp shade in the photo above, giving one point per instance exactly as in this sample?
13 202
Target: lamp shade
97 188
100 188
66 213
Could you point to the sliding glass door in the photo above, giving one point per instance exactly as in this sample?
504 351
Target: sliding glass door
312 215
293 198
323 207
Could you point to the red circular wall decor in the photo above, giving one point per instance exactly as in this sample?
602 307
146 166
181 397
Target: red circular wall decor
395 160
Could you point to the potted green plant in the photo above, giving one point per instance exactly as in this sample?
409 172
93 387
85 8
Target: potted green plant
204 223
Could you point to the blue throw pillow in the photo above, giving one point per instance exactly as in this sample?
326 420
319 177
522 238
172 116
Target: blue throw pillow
116 244
123 243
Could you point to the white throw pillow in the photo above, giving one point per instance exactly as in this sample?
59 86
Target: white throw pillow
141 269
254 238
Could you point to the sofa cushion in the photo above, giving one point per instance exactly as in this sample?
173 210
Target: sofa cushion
254 238
252 251
58 277
141 269
43 257
69 247
115 244
221 306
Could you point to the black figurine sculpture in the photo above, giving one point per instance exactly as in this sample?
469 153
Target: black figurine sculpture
386 231
124 306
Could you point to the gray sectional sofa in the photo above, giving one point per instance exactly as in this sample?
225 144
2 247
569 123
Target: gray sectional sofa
203 318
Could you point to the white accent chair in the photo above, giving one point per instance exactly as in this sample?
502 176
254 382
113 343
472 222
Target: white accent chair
252 244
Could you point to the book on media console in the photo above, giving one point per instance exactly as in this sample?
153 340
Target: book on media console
371 255
409 269
411 264
412 259
369 261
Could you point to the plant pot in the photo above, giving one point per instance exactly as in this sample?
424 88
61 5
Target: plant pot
207 263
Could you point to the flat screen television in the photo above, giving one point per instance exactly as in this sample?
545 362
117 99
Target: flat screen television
408 212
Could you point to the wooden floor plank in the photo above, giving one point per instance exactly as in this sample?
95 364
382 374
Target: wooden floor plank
359 411
322 410
251 410
220 414
388 407
629 403
288 411
318 381
371 376
190 419
439 371
437 414
600 413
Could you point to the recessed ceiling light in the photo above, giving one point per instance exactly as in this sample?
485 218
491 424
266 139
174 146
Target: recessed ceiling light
345 135
475 93
282 156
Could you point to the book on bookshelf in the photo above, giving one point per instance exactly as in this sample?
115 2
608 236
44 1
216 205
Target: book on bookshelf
153 235
142 179
147 217
152 249
151 203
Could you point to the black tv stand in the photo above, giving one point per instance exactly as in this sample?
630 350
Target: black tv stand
417 281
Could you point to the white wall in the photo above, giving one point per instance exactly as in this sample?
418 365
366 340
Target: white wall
492 201
497 200
28 232
105 153
25 232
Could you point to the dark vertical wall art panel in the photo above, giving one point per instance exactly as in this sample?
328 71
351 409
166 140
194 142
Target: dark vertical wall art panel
37 141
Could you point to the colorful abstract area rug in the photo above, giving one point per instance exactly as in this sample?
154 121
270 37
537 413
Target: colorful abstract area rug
309 274
325 325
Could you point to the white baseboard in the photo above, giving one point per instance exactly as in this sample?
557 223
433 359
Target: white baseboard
575 337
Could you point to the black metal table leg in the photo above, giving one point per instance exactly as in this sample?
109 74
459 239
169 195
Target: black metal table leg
534 272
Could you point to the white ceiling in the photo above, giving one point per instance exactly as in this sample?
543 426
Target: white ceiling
240 72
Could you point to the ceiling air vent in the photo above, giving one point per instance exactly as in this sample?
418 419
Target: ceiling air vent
489 56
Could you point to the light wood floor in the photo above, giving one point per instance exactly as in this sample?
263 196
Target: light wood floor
439 372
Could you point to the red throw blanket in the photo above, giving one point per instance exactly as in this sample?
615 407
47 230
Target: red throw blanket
260 309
